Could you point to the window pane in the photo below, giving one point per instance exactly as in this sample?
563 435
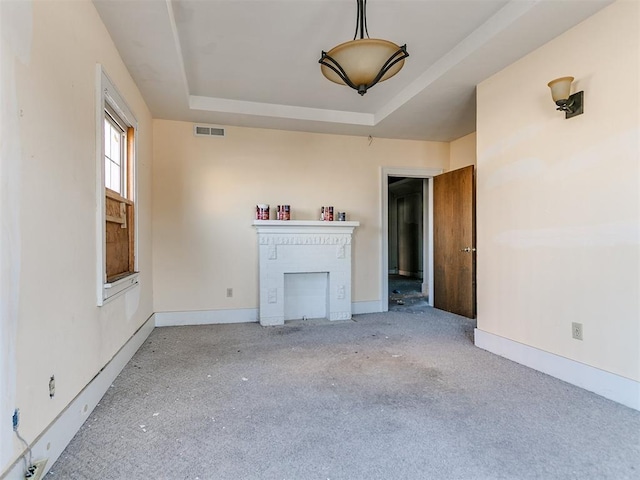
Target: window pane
115 146
107 138
124 167
107 173
115 178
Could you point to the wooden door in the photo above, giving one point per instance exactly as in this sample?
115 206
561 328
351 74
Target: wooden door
454 235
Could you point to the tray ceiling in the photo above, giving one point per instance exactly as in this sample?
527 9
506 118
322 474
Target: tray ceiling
255 63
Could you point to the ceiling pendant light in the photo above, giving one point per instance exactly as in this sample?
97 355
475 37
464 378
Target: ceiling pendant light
362 62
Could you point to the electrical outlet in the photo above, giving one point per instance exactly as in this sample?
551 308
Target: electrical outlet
16 419
52 386
576 330
36 470
229 292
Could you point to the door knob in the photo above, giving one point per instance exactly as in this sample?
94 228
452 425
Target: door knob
468 249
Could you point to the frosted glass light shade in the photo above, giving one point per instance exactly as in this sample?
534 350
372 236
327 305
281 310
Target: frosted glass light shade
560 88
362 60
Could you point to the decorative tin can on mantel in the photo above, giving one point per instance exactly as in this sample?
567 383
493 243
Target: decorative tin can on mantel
283 212
262 211
326 214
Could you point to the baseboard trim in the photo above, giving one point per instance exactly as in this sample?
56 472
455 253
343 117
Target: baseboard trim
55 438
359 308
609 385
206 317
239 315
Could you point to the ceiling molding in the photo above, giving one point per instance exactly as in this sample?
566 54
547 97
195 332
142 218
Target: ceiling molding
224 105
178 48
480 36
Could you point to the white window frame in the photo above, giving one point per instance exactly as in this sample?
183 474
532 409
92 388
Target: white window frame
107 94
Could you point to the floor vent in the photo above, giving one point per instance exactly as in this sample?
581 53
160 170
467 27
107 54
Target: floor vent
208 131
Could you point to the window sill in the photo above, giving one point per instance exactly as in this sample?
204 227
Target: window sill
113 289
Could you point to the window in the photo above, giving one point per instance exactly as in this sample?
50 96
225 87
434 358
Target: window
117 225
115 151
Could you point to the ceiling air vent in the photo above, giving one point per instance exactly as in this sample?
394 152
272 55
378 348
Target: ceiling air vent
208 131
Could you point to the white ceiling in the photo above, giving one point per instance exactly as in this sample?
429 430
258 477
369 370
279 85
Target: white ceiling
255 62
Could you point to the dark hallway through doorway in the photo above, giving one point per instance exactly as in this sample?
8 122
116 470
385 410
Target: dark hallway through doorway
405 294
407 244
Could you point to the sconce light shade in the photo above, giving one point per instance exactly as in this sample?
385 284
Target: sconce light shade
572 105
560 88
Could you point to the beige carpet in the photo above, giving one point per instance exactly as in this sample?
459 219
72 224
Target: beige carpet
386 396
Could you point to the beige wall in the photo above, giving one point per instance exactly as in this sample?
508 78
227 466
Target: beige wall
463 152
50 322
205 192
558 207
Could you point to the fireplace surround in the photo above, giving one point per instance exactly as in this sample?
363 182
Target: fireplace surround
304 247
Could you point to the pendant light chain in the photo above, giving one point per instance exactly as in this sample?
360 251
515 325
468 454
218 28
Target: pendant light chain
364 17
361 20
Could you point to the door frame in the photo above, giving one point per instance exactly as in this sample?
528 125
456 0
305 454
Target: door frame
427 210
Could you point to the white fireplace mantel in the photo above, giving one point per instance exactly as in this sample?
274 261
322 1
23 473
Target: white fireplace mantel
288 247
306 226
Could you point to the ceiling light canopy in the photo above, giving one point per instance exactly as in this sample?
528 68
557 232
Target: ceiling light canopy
362 62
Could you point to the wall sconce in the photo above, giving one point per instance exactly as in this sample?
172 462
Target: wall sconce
572 105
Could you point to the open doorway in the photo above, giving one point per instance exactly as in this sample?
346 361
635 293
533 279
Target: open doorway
406 223
407 240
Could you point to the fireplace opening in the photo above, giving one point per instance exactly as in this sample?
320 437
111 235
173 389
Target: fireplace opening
306 295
